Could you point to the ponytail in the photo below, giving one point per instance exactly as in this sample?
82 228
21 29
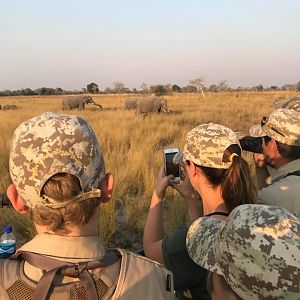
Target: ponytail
236 183
238 187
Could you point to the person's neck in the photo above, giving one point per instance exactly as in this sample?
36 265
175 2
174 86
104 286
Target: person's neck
89 229
281 162
212 200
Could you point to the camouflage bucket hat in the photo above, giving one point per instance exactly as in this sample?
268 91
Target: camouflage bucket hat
256 250
53 143
205 145
283 125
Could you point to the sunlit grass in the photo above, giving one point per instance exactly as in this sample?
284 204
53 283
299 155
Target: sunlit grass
133 146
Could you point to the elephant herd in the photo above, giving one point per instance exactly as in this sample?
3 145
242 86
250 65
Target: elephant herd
8 106
141 105
147 104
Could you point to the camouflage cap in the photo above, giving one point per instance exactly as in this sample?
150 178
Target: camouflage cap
205 145
53 143
283 125
256 249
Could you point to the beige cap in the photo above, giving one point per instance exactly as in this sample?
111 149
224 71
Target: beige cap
205 145
283 125
53 143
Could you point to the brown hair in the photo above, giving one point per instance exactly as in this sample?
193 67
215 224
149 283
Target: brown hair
62 187
236 183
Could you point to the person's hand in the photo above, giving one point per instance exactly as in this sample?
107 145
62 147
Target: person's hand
184 186
162 182
259 160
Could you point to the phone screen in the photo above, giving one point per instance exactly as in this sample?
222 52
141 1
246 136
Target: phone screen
171 168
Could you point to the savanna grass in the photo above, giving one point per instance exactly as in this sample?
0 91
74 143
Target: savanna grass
133 146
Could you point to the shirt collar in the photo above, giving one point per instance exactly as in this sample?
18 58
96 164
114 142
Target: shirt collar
66 248
284 170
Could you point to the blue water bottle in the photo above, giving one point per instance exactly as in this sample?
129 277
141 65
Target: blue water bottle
7 242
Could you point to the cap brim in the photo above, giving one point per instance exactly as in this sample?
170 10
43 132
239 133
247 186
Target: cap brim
256 131
200 243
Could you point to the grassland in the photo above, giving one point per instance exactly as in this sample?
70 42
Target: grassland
132 148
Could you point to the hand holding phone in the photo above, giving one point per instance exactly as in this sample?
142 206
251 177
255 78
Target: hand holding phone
170 168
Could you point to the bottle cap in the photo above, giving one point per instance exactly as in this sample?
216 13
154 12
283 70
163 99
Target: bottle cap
7 229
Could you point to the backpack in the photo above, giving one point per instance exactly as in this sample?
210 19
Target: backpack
119 275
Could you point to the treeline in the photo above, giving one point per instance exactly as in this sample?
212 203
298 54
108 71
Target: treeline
194 86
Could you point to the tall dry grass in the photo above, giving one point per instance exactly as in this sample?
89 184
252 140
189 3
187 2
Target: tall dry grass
133 146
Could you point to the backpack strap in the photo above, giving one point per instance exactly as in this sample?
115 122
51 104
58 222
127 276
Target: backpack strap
54 266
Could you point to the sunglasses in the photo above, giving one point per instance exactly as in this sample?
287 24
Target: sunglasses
265 120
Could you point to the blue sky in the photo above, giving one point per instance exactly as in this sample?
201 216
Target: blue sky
69 43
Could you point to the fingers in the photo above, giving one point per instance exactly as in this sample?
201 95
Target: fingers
259 159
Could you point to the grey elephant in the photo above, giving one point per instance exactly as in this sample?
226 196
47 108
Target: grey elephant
9 106
152 104
79 101
130 103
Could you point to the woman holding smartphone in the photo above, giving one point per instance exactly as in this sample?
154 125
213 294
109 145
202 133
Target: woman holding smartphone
216 180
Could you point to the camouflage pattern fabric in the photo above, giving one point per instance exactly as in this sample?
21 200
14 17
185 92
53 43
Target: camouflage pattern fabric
283 125
53 143
256 250
205 145
290 103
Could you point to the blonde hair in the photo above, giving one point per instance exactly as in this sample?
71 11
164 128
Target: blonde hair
62 187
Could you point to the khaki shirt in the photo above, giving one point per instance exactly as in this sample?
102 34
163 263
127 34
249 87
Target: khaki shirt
65 248
285 191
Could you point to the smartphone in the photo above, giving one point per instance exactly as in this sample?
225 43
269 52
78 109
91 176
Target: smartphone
170 167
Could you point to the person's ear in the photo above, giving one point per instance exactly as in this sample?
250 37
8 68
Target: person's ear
193 169
106 187
15 200
273 146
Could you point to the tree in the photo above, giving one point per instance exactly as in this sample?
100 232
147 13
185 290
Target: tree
92 88
58 91
223 85
176 88
144 88
160 90
199 83
118 87
27 92
189 89
107 91
213 88
260 88
298 86
274 87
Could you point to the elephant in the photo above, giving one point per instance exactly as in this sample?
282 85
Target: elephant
130 103
79 101
9 106
152 104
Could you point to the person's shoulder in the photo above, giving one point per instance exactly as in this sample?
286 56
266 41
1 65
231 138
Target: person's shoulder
132 256
145 275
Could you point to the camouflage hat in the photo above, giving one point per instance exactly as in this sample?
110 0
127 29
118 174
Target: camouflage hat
256 249
205 145
283 125
53 143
